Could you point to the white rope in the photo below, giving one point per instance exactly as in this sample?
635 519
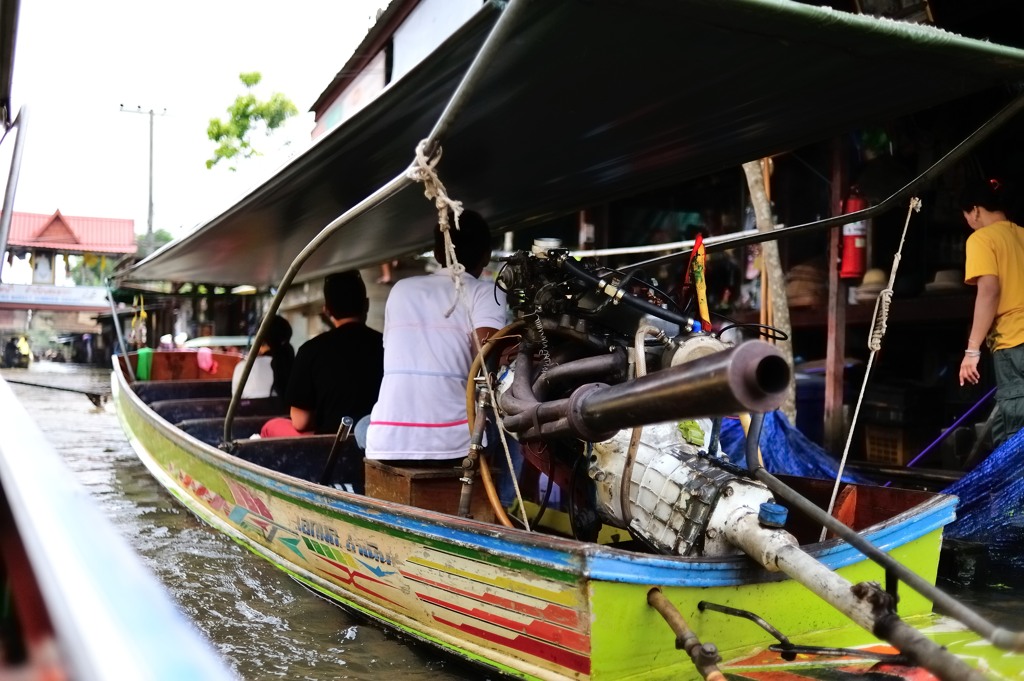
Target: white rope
424 169
878 327
508 460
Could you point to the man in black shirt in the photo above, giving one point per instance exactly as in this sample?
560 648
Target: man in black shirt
337 373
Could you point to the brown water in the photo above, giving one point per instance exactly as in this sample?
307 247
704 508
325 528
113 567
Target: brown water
265 625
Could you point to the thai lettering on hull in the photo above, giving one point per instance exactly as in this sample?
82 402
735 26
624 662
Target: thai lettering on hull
368 550
319 531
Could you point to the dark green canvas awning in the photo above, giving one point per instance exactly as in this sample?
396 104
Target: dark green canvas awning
590 100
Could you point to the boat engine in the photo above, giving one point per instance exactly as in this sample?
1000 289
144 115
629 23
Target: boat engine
613 396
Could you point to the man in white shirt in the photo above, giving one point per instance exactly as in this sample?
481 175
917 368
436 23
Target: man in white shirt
428 348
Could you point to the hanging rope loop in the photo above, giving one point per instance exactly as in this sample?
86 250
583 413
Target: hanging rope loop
424 169
880 319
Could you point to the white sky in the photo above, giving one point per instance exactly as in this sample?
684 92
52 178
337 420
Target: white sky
78 62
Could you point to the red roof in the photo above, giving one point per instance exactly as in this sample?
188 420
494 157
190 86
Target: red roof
70 234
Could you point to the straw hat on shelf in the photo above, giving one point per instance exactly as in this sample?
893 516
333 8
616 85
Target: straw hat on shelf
805 285
946 281
871 285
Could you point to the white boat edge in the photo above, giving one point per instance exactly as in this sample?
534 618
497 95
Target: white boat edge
112 618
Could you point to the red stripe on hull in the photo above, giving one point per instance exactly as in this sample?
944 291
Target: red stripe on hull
543 631
355 578
538 649
556 614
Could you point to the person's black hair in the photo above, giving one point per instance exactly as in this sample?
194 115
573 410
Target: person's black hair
279 332
345 295
472 240
281 352
990 194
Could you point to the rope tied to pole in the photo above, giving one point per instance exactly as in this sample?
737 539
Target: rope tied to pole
881 314
881 318
424 169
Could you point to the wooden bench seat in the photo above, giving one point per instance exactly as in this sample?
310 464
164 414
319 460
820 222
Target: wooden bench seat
179 410
305 457
431 487
211 430
153 391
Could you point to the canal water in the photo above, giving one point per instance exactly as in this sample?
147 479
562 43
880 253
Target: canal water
265 625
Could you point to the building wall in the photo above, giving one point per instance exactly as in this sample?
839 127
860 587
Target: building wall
363 89
426 28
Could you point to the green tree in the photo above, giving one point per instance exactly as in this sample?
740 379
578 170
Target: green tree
143 248
245 116
92 270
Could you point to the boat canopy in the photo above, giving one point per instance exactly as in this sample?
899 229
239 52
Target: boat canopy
588 101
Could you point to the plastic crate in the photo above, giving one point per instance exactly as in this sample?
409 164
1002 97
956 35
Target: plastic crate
887 445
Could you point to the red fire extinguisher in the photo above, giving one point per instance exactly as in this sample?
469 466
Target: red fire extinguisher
855 235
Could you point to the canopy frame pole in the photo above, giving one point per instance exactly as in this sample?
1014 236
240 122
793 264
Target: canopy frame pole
952 156
7 214
481 63
487 53
117 329
373 200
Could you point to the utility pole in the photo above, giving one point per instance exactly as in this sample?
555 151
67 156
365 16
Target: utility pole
149 222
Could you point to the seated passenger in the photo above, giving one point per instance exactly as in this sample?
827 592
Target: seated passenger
428 349
337 373
271 369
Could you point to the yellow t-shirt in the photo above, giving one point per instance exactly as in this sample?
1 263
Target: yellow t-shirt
998 249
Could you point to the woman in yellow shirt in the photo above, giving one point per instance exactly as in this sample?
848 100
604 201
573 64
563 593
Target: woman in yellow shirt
995 265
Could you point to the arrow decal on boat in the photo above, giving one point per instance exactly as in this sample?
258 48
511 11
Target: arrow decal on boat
380 572
293 544
248 499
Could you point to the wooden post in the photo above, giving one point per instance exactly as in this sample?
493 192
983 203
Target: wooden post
835 351
776 284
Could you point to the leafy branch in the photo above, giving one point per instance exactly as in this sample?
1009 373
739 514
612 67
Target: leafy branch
247 115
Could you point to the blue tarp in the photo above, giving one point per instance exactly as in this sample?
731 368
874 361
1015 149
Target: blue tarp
785 450
991 509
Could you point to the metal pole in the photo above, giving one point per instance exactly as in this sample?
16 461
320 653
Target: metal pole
865 604
12 183
149 220
1002 638
481 63
117 329
940 166
487 53
373 200
148 243
949 430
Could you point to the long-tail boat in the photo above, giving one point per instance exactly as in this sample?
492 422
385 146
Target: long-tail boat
658 545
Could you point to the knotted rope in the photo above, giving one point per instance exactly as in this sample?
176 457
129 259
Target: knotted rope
878 328
424 169
881 314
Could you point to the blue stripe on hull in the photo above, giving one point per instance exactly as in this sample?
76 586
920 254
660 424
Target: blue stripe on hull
608 564
575 559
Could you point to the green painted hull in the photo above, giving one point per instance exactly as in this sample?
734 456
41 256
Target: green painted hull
529 605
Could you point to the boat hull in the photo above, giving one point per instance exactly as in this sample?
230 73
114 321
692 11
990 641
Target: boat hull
527 604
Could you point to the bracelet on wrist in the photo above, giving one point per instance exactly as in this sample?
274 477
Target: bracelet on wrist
972 353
